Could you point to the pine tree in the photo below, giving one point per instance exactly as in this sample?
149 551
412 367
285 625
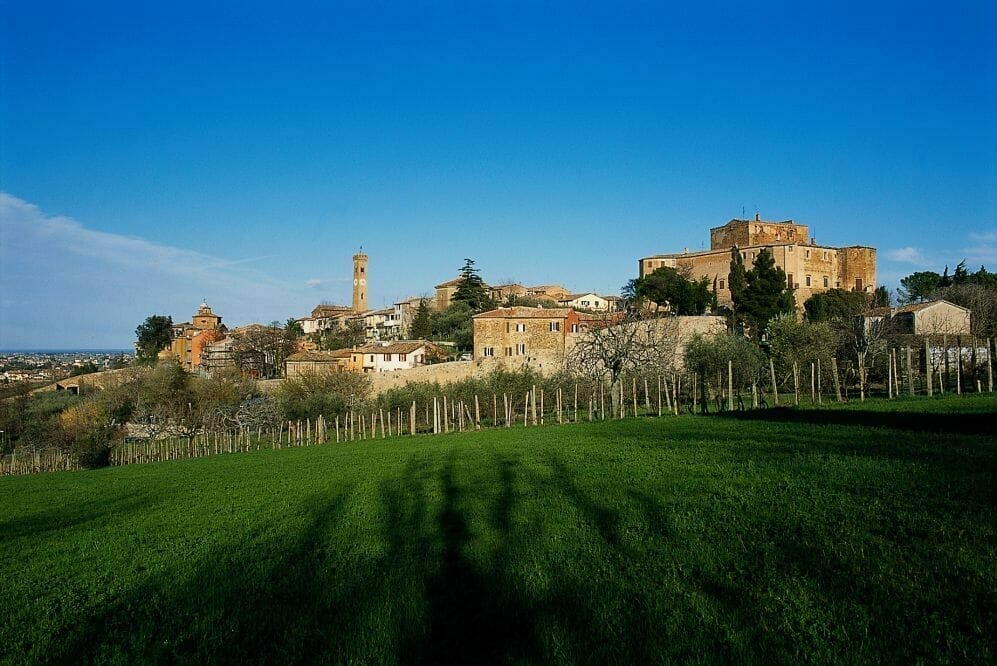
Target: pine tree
765 294
737 280
471 289
422 323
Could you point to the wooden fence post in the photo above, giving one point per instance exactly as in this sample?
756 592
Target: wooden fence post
775 387
730 385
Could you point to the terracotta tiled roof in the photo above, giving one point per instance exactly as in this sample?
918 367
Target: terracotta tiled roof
395 348
908 309
320 356
917 307
523 312
449 283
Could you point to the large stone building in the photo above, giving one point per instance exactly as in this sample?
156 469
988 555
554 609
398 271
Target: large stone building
524 335
810 268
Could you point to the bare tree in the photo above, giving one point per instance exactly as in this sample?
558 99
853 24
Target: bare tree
617 345
866 339
261 350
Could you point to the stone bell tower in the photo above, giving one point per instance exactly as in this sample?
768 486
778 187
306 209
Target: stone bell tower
359 282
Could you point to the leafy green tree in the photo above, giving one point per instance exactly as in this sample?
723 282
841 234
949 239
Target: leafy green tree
916 287
422 322
666 286
85 369
154 335
765 294
471 290
835 305
351 334
737 279
293 329
984 278
880 298
455 325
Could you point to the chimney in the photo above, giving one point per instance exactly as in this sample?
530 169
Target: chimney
758 217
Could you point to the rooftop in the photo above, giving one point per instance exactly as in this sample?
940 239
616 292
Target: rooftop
524 312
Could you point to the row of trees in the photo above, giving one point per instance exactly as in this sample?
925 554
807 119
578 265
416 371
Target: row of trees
976 291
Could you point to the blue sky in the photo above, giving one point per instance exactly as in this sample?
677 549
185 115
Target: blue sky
152 157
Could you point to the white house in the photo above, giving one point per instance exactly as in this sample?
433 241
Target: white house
386 357
589 301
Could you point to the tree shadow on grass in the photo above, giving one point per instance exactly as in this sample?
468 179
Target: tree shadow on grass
471 614
264 599
67 517
963 424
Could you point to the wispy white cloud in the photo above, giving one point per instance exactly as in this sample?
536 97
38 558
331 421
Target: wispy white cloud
62 283
907 255
983 249
317 283
984 237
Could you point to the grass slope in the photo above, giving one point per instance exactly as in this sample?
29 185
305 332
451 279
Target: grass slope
848 534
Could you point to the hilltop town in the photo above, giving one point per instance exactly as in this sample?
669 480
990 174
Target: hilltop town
526 325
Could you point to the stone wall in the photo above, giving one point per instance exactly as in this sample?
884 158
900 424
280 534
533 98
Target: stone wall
757 232
857 263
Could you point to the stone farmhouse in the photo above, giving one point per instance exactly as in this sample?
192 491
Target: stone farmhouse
524 335
810 268
931 318
316 362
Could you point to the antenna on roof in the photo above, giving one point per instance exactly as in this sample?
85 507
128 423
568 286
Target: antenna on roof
743 211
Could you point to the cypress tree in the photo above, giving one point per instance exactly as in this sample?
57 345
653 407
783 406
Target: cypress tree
765 294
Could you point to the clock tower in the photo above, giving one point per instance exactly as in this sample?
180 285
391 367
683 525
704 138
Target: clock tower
359 282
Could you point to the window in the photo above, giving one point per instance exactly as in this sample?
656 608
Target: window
387 357
508 351
520 349
858 284
721 284
489 351
574 328
371 358
789 280
555 326
824 255
402 357
585 303
808 280
520 328
808 254
826 281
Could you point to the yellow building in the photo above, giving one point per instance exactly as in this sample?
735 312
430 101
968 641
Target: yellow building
191 337
810 268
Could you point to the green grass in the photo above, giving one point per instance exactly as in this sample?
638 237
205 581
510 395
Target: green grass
856 533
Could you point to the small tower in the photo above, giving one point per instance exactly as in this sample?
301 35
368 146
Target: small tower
359 282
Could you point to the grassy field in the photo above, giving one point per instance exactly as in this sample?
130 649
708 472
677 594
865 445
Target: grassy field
856 533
